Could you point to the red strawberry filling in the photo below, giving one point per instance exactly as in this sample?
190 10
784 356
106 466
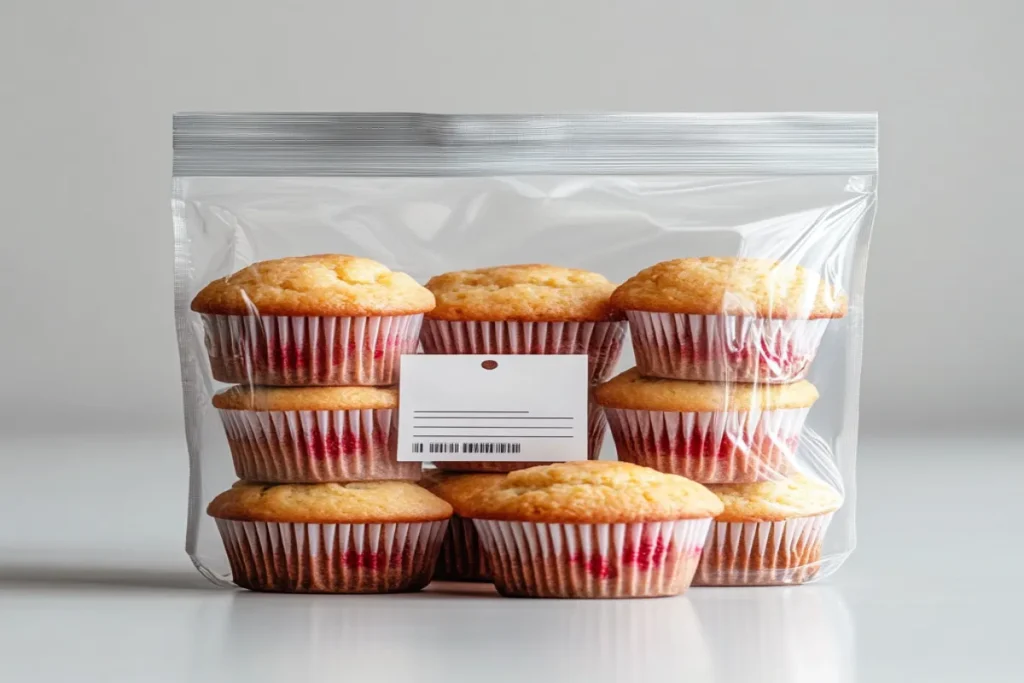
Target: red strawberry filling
330 446
647 554
289 355
706 445
770 357
365 559
595 565
378 350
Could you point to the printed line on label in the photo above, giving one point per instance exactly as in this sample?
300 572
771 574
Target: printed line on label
492 436
500 412
489 417
484 427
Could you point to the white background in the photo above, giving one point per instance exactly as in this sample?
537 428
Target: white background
89 89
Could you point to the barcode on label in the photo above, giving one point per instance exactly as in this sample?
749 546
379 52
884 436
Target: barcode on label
438 447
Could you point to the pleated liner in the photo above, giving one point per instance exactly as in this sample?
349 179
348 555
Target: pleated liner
724 348
310 446
710 447
597 425
332 558
602 342
462 557
592 560
309 351
762 553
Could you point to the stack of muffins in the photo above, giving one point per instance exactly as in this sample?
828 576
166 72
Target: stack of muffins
529 309
313 346
518 309
717 398
722 346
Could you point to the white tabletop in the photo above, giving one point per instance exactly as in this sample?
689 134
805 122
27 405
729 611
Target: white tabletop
95 586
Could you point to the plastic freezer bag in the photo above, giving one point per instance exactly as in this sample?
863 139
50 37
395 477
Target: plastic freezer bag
612 194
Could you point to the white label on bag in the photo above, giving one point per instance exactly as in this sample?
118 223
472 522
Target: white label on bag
494 408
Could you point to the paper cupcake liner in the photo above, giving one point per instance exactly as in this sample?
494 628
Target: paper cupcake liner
710 447
724 348
762 553
602 342
462 557
309 351
331 558
592 560
310 446
597 425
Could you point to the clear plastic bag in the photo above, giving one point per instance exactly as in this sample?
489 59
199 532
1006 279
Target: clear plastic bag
611 194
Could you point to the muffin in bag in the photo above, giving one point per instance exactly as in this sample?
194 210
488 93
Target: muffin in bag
526 309
313 434
591 529
727 319
768 533
361 537
327 319
710 432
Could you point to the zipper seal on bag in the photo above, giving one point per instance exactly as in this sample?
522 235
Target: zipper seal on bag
425 145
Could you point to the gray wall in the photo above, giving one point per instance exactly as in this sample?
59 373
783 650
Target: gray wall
89 89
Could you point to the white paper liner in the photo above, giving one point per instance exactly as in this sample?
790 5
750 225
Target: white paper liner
597 425
602 342
592 560
332 558
724 348
710 447
309 351
462 556
310 446
763 553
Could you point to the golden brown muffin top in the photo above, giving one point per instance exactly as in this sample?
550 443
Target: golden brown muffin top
632 391
455 489
322 284
306 398
775 501
713 285
362 502
589 492
528 293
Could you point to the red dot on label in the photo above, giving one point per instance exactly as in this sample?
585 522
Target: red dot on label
489 364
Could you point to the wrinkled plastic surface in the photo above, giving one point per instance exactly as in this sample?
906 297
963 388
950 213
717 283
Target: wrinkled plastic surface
614 225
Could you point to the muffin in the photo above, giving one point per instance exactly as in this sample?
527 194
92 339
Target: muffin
597 426
727 319
591 529
526 309
313 434
363 537
768 533
706 431
328 319
462 557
